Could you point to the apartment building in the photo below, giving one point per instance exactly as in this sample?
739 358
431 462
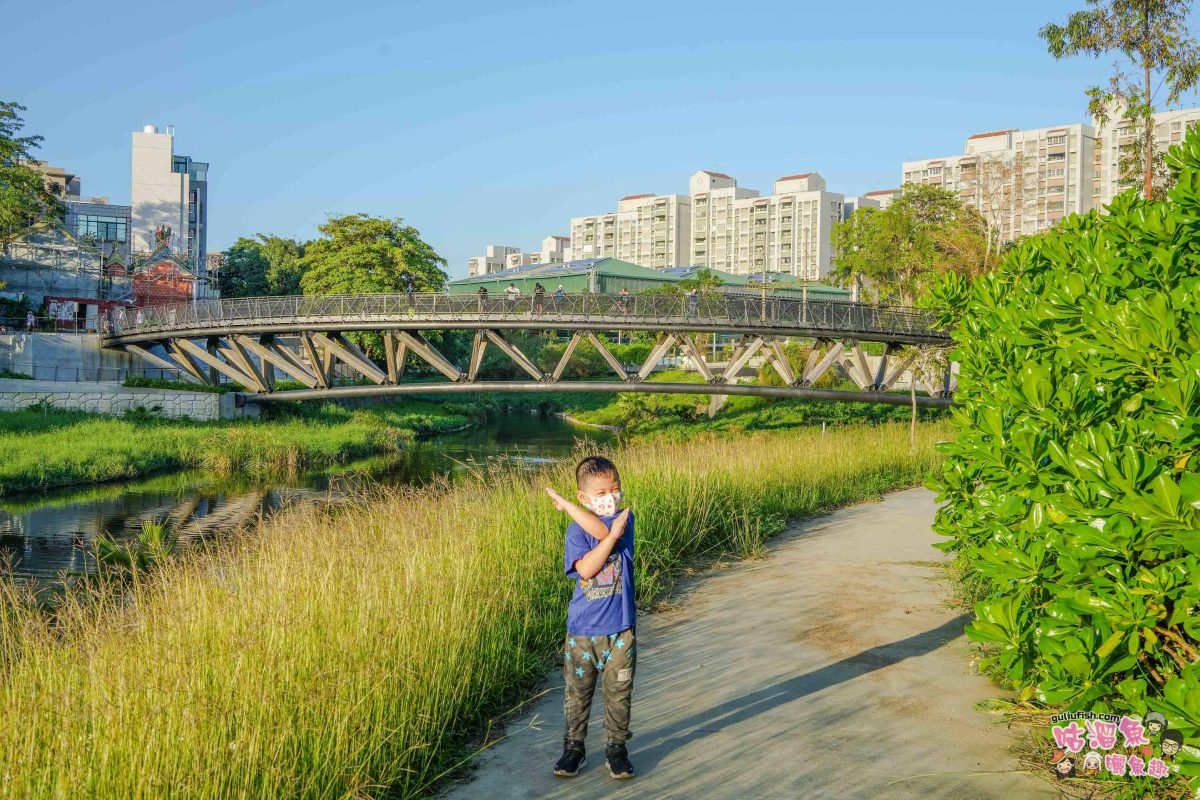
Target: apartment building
714 235
788 231
653 230
882 196
1022 181
853 203
555 250
594 236
494 259
1169 127
168 190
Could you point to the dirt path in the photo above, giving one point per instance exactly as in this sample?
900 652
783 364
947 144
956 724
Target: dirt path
832 668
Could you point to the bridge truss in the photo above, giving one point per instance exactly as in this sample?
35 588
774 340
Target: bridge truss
252 340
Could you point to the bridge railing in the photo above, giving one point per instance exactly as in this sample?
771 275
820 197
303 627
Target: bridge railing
704 310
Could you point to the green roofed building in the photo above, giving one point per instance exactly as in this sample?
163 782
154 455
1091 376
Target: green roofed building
726 278
787 285
610 275
602 275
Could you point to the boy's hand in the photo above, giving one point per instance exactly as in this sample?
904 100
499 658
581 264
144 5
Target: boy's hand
618 524
560 502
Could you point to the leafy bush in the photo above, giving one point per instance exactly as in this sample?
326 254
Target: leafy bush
1073 484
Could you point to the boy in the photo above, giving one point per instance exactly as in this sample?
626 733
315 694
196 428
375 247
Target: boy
601 622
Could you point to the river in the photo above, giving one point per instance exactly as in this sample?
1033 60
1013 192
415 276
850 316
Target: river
43 535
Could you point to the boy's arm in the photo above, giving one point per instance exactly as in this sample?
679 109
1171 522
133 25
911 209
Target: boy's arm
593 560
586 519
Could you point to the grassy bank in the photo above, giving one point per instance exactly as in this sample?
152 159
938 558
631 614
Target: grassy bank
44 449
353 653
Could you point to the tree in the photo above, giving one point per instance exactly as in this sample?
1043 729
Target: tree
244 271
1000 187
1153 37
283 258
361 254
264 265
903 248
25 196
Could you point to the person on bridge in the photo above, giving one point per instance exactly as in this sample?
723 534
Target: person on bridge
559 296
512 293
601 617
482 298
30 321
409 287
693 299
623 300
539 294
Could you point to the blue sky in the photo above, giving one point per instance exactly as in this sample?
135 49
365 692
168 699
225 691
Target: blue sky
494 122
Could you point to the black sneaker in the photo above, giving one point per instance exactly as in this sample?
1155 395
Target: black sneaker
573 758
617 760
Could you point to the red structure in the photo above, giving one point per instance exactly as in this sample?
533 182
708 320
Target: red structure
162 278
162 282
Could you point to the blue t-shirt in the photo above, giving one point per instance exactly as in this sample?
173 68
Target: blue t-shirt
602 604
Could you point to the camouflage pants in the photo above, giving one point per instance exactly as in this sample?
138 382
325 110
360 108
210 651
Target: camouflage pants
614 660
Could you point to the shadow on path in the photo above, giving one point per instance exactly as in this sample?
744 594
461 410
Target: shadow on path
739 709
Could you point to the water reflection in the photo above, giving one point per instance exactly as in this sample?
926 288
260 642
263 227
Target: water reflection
43 535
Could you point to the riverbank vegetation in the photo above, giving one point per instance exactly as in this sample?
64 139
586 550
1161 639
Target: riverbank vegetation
356 651
44 448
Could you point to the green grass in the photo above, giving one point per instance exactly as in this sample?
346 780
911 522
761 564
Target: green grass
681 416
353 653
45 449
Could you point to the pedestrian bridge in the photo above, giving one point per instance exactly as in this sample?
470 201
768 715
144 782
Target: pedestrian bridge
254 340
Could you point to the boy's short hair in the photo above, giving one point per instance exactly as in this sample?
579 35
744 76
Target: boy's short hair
594 465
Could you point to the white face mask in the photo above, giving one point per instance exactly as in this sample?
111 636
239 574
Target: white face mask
604 505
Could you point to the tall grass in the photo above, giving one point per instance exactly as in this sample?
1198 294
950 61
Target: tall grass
352 653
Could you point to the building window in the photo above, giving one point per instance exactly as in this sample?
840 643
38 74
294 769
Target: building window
179 164
109 229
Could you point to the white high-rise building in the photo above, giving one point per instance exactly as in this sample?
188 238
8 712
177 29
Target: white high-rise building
714 235
853 203
653 230
1169 127
555 250
1025 181
788 231
494 260
594 237
883 197
721 226
168 191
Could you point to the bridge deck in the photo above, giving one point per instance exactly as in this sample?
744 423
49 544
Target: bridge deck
725 314
248 340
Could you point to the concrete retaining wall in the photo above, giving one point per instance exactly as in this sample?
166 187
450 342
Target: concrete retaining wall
110 398
68 357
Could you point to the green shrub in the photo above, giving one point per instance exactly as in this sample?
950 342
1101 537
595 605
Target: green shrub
1073 483
21 376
